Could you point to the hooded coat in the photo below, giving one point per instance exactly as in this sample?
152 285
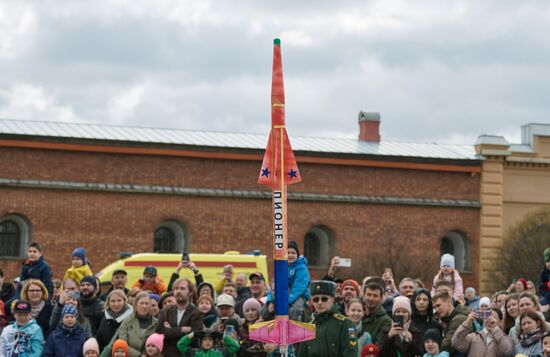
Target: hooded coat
65 342
423 322
298 280
18 340
452 323
39 270
476 343
378 323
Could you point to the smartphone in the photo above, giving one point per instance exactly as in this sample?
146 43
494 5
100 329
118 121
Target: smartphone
482 315
344 263
229 329
399 320
185 256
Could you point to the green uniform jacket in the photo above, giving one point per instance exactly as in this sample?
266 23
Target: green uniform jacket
451 324
231 346
378 324
334 336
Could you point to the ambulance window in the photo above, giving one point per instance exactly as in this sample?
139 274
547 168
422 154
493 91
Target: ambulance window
15 235
169 238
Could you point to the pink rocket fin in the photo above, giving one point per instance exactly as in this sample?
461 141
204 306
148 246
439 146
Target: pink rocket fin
282 331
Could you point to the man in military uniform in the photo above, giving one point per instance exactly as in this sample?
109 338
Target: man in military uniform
335 334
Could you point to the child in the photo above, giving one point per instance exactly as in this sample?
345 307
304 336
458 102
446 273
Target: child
207 341
120 349
546 343
449 273
91 348
68 338
35 267
249 348
356 313
298 283
79 268
154 344
370 350
151 281
432 343
205 304
227 277
24 337
544 286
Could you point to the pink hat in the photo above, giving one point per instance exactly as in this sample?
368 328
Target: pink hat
252 304
156 339
401 302
90 345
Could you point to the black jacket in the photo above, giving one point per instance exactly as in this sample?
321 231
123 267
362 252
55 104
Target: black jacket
93 310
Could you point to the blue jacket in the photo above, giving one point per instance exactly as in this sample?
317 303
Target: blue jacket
298 280
40 271
24 341
63 342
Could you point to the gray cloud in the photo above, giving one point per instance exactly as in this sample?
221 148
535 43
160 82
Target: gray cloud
436 70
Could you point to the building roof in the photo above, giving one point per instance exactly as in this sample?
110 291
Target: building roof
226 140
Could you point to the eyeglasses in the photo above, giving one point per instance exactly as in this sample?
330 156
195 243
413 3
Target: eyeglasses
34 290
316 299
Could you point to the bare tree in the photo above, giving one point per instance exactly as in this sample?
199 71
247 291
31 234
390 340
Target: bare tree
522 248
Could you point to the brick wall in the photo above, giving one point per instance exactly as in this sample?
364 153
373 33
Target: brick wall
107 223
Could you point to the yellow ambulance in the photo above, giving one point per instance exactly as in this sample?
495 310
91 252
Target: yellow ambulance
209 265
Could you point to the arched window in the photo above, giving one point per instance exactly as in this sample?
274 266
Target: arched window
170 238
319 246
15 235
457 244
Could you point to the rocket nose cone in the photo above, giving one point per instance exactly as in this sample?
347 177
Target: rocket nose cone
277 42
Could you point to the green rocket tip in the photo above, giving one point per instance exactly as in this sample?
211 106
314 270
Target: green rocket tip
277 42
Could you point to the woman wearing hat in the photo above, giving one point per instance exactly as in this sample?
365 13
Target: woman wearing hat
139 326
403 339
422 311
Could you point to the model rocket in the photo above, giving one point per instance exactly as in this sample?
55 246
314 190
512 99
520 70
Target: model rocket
278 170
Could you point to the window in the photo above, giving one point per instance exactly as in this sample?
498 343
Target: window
170 238
319 246
15 235
457 244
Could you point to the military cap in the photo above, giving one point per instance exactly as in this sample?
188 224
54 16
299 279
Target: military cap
322 287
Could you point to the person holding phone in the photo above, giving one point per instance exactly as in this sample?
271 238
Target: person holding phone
207 344
186 263
490 341
403 339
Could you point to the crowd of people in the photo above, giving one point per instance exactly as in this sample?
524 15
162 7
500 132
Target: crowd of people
44 316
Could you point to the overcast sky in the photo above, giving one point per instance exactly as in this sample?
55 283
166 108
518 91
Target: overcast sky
436 70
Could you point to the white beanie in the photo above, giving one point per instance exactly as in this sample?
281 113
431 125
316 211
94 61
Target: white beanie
447 260
90 345
402 302
485 301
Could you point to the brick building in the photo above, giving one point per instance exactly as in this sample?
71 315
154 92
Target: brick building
113 189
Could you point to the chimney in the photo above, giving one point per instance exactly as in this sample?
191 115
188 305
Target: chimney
369 127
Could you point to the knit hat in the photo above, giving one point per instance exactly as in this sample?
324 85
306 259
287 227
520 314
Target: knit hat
80 253
252 304
68 309
434 335
485 301
120 344
154 297
468 289
370 349
401 302
447 260
150 270
156 339
292 244
22 306
89 279
351 282
547 254
90 345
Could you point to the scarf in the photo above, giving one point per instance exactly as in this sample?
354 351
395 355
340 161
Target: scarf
115 315
35 310
144 321
527 339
